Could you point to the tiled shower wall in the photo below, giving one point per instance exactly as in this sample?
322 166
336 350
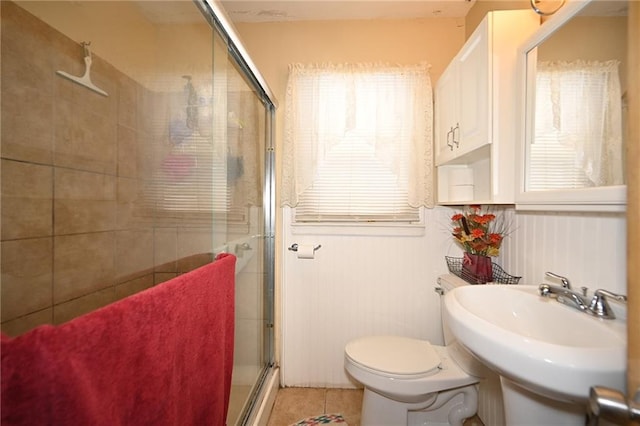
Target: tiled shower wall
73 162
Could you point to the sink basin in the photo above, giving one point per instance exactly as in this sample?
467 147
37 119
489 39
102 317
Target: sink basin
548 348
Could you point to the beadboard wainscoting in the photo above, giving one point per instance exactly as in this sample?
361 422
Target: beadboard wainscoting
357 286
361 285
587 248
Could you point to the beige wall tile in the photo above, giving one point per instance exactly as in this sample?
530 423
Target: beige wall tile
28 322
27 191
127 152
27 104
189 263
194 241
146 164
248 295
22 32
134 252
160 277
83 264
148 105
248 350
27 120
84 202
70 56
74 308
165 249
26 276
128 214
83 139
134 286
127 101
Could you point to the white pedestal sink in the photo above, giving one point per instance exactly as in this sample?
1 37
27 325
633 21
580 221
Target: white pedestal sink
548 355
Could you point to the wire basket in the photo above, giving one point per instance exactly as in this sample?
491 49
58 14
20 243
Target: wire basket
499 275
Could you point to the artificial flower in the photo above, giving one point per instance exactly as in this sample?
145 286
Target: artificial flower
479 232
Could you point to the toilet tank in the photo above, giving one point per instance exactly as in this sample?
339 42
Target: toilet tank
490 401
462 357
447 283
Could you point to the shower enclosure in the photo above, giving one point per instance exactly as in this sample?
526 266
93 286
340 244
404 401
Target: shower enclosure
136 144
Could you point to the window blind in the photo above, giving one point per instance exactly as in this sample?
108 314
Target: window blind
353 185
191 181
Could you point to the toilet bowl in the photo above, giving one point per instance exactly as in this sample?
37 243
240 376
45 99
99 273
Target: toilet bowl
413 382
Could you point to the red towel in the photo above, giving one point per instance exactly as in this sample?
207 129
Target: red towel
160 357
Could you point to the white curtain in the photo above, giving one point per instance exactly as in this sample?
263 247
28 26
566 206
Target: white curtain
388 108
580 104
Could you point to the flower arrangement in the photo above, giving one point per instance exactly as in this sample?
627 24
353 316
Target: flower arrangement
477 232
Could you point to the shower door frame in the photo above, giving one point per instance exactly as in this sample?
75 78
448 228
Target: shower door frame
224 28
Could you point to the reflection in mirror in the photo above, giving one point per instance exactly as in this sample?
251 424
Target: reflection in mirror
576 85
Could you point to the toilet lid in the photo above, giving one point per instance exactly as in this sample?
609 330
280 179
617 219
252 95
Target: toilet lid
394 355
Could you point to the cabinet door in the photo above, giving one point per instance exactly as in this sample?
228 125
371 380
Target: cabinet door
446 114
474 65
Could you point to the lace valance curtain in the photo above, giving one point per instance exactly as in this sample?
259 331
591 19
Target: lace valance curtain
579 106
384 111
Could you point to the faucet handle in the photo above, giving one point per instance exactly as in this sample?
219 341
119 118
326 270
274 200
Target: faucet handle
599 305
544 289
563 280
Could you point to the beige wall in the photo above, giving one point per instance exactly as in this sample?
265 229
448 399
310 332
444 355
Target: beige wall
151 53
589 38
481 7
117 31
273 46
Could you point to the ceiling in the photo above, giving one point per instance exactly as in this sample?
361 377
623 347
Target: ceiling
304 10
183 11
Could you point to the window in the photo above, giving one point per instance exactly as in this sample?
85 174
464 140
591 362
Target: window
358 143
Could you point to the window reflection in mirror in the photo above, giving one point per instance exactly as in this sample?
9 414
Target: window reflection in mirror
576 85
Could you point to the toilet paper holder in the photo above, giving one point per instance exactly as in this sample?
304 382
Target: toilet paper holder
294 247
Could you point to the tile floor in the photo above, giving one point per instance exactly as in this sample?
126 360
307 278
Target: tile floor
294 404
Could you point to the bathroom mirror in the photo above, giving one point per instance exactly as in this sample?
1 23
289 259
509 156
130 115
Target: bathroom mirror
574 78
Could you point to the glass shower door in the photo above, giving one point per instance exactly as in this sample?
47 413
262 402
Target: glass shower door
244 134
107 193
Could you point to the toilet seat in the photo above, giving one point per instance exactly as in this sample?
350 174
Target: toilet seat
394 356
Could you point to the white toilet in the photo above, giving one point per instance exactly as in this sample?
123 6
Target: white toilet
412 382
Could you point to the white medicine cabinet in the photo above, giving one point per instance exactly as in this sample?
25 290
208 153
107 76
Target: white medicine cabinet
573 78
475 112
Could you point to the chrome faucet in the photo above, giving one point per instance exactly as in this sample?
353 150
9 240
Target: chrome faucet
565 281
598 307
563 295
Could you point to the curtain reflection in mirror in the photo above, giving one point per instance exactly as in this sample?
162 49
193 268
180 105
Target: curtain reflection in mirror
578 127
